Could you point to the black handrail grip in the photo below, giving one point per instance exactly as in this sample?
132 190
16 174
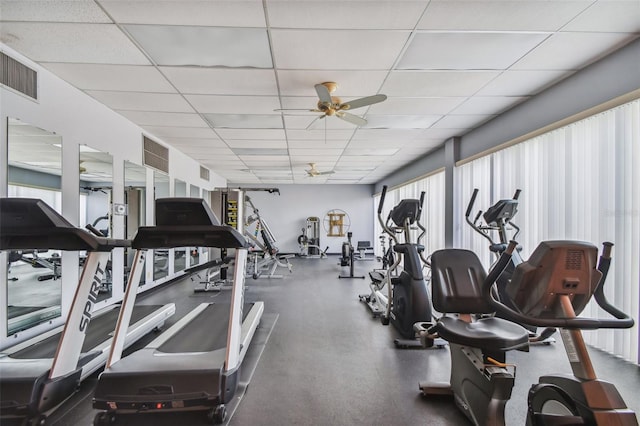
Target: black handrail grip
472 202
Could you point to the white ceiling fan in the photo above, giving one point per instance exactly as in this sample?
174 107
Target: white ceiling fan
332 105
313 171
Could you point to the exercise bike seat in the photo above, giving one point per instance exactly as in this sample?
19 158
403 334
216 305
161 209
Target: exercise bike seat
457 277
490 334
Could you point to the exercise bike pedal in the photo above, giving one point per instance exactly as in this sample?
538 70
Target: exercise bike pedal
435 389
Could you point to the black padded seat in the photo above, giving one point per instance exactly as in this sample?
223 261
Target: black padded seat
491 334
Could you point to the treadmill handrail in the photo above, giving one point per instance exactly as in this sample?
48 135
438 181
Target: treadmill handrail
29 223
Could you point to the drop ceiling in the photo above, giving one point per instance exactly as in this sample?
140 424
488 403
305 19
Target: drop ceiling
209 77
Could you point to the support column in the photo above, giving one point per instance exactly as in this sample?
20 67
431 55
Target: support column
451 154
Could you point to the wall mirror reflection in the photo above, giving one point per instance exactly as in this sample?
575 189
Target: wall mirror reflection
160 257
96 183
194 252
135 189
34 170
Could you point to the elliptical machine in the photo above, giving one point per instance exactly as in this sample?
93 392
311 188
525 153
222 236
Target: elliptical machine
499 218
550 290
406 301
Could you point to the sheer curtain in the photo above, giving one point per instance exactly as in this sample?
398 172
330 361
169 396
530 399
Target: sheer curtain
578 182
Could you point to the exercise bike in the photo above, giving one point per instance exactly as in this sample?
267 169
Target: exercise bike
550 290
499 218
480 380
406 301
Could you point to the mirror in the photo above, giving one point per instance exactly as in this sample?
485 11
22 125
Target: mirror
160 257
179 254
194 257
34 171
135 189
96 182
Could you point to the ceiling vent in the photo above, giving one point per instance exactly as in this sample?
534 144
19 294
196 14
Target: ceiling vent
204 173
155 155
18 76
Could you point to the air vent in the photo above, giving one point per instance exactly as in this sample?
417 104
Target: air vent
573 261
18 76
204 173
155 155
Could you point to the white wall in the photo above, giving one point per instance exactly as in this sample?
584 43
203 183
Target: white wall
286 213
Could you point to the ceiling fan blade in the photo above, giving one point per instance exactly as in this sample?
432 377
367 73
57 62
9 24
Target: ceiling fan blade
361 102
297 109
314 121
328 172
323 93
353 119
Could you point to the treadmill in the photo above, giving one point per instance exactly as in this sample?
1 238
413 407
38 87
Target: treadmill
38 375
195 364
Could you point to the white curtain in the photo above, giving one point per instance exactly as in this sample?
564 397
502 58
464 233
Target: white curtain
578 182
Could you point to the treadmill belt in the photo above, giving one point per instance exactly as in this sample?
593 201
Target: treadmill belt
205 333
100 329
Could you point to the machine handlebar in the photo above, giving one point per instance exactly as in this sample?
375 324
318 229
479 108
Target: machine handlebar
517 194
472 202
422 195
381 203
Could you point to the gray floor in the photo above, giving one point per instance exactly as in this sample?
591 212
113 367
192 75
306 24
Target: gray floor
322 360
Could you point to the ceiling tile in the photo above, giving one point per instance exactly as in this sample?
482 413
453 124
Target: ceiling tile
467 50
608 16
371 151
461 121
244 121
572 51
210 142
181 132
215 81
337 49
133 78
400 121
519 15
177 119
344 14
337 144
350 83
319 135
219 13
142 101
249 134
488 104
182 45
414 106
436 83
91 43
386 134
316 150
49 11
522 83
233 143
226 104
315 122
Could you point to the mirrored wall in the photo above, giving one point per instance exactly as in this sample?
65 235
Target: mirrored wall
135 189
33 277
179 253
160 257
96 184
